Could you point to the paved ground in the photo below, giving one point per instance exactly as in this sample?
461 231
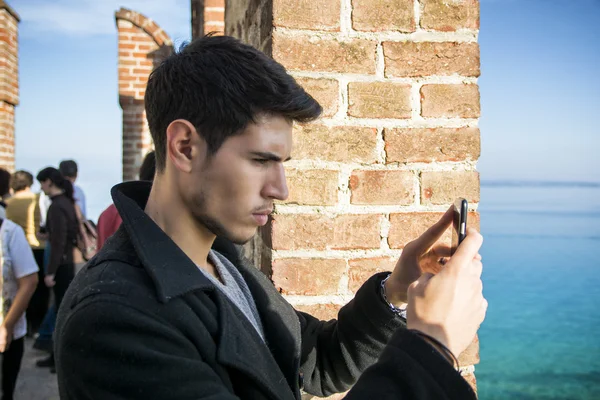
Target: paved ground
35 383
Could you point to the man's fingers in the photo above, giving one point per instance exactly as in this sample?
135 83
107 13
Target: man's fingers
431 235
442 250
466 251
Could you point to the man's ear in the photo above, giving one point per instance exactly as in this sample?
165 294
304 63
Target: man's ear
182 144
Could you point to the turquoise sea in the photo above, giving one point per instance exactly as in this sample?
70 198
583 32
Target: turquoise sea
541 252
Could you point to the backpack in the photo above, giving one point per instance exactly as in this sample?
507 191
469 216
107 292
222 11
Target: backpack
87 236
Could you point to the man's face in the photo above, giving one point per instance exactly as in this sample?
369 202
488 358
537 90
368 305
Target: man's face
232 192
45 186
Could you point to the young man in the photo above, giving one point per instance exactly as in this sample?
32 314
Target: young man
167 309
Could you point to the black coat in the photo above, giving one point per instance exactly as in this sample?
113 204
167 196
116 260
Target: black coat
141 322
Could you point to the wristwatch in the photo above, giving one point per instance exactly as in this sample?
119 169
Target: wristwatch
400 312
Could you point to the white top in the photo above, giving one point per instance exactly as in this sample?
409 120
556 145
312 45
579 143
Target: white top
16 261
45 202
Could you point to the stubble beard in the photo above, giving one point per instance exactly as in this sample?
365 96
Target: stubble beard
213 224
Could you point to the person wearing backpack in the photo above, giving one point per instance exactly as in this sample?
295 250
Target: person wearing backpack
86 246
62 225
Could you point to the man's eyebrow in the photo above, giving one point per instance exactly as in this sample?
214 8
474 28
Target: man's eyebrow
268 156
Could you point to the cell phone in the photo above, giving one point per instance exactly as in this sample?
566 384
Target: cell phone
459 224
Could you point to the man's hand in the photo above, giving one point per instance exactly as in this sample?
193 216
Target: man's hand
420 255
49 281
450 306
6 334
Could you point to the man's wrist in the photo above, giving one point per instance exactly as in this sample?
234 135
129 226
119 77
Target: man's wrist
395 296
397 307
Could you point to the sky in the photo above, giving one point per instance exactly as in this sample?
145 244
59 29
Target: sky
539 85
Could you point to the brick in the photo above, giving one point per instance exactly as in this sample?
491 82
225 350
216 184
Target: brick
447 101
126 46
417 59
443 187
471 354
449 15
382 187
312 187
314 54
214 15
323 15
325 91
339 143
309 277
379 100
431 145
324 312
319 232
383 15
362 269
214 3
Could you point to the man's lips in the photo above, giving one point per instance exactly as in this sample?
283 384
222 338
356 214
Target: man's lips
262 216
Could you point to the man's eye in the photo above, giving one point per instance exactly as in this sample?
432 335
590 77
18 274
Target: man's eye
261 161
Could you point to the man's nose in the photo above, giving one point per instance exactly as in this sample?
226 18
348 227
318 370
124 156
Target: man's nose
277 186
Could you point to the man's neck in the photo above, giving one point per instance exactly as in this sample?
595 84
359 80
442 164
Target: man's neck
168 211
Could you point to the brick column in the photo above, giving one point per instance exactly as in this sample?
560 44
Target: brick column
142 44
9 83
214 16
398 142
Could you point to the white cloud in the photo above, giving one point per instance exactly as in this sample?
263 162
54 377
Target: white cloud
96 17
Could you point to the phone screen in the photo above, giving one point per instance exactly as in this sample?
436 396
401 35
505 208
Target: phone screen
459 223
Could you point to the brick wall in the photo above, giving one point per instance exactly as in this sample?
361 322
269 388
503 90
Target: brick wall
142 44
398 142
214 16
9 83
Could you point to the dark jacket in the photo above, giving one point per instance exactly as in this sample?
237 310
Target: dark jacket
62 226
140 321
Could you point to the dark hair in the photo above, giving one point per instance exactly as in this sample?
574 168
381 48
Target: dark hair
58 179
148 167
4 182
21 180
220 85
68 168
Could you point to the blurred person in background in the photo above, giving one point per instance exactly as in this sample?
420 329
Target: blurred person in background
18 283
110 220
23 208
70 171
4 190
62 226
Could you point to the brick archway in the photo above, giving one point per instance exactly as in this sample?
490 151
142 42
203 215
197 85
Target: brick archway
142 44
